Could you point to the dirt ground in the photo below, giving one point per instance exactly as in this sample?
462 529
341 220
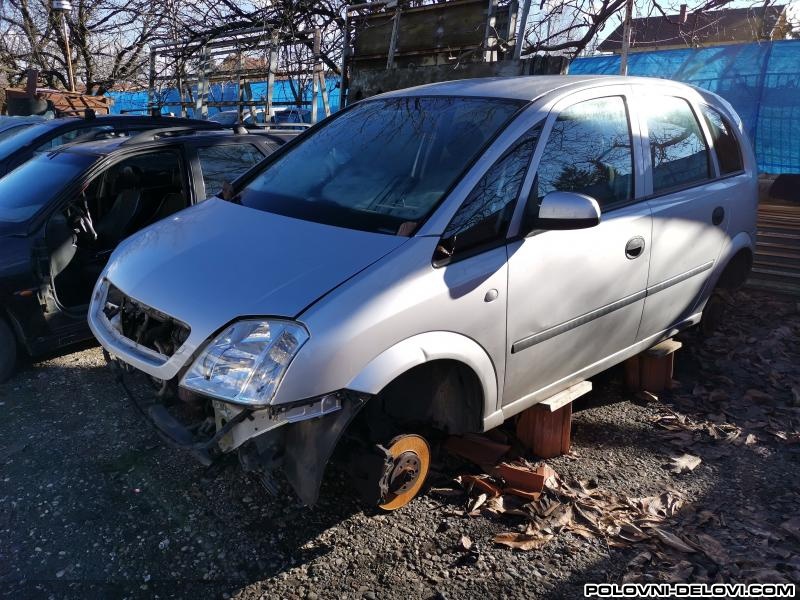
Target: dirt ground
93 505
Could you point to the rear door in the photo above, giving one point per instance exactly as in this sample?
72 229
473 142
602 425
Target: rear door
689 206
575 298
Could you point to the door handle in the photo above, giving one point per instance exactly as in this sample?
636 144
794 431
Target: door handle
635 247
718 215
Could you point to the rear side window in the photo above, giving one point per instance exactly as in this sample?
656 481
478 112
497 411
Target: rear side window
485 214
729 155
589 151
225 163
678 152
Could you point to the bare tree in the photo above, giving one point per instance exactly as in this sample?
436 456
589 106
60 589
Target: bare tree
108 40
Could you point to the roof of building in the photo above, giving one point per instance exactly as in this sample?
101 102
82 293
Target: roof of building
712 27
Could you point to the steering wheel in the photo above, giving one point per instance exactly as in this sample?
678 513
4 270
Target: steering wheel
81 219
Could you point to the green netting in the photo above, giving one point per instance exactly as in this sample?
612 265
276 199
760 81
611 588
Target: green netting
761 81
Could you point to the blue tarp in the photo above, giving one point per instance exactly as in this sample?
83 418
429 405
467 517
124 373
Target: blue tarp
137 101
761 81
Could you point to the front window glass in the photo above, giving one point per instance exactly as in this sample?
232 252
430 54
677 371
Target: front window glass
382 166
34 184
484 216
589 151
225 163
678 152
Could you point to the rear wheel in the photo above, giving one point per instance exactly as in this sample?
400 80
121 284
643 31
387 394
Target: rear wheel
714 313
8 351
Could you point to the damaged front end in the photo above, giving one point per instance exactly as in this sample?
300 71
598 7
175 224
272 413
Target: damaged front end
221 401
297 438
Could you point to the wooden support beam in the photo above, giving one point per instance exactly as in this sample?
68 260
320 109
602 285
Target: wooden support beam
545 428
651 370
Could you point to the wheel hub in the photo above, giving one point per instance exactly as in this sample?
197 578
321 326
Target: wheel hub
405 472
408 460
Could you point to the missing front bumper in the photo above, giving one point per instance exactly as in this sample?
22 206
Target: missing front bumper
299 437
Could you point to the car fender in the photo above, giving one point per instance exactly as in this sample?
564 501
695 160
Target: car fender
740 241
427 347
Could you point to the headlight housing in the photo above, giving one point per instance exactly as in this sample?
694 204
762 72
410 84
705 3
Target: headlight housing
245 363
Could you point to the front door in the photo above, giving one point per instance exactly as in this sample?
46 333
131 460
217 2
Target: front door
576 297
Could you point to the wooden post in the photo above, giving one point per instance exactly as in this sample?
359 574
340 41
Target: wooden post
393 38
273 64
343 81
489 39
526 8
315 74
151 84
545 428
626 38
651 370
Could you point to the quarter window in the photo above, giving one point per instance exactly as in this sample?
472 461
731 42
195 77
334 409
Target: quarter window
678 152
589 151
485 214
729 155
225 163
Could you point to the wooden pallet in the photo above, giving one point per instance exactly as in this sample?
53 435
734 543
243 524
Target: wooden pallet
776 266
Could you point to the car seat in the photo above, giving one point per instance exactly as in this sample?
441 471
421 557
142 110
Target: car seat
174 201
115 224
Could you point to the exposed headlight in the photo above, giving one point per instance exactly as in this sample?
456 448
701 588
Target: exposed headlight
246 362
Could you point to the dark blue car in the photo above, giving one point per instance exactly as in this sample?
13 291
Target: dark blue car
24 142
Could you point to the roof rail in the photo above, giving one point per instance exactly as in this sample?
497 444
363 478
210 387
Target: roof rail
278 127
151 135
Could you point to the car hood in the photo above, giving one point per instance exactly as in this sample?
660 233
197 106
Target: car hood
218 261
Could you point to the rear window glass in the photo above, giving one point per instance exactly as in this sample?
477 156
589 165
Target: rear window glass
678 152
729 155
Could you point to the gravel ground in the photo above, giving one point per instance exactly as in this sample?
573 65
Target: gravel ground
93 505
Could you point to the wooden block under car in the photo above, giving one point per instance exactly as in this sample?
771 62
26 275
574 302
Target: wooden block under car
545 428
651 370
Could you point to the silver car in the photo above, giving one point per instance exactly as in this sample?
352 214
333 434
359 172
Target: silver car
430 261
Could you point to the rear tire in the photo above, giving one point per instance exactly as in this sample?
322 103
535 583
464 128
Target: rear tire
8 351
714 313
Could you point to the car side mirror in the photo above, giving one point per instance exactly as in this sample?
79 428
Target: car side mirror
567 210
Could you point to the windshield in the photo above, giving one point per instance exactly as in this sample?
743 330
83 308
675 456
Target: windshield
382 166
34 184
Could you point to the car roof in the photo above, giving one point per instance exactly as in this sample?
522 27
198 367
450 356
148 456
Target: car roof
110 145
528 87
121 119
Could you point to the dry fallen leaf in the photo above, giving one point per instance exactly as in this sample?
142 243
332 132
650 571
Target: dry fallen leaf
522 541
672 540
685 462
